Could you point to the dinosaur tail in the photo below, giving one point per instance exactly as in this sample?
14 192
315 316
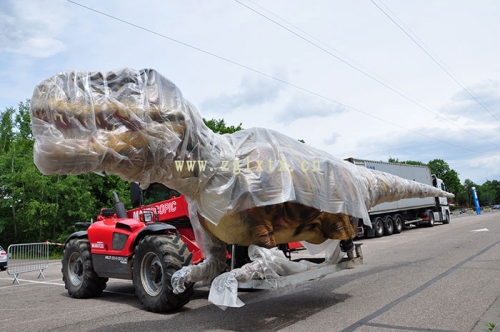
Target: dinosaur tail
384 187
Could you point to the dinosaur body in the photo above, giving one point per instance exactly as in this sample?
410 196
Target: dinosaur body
270 225
255 186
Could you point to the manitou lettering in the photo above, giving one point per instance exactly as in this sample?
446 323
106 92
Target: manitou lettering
167 207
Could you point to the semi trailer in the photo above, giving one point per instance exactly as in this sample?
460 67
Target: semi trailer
391 217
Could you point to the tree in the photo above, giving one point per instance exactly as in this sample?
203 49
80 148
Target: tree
6 129
16 157
445 173
439 167
220 127
23 121
487 193
465 194
495 187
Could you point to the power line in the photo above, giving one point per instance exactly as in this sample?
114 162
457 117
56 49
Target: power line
264 74
433 59
404 95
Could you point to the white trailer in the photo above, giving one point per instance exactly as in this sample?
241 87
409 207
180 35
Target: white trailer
392 217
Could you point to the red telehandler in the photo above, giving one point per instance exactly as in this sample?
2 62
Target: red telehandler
146 244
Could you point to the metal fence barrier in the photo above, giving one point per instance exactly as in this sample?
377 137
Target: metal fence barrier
27 257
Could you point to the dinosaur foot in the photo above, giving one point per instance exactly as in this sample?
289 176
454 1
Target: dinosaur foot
206 271
347 245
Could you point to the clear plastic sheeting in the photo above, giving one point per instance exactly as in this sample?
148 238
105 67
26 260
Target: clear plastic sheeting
137 125
215 258
266 264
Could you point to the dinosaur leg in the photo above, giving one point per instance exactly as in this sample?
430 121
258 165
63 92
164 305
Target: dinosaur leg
206 271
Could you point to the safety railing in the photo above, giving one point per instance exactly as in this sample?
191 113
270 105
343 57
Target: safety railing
27 257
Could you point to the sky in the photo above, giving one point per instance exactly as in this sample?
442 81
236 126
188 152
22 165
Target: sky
370 79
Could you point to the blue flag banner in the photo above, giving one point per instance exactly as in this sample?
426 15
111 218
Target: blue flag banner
476 201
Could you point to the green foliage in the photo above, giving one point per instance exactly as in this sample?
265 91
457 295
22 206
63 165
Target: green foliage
6 129
489 193
445 173
464 196
439 167
490 326
23 121
220 127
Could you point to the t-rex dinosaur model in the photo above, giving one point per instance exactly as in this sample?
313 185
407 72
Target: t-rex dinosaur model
255 186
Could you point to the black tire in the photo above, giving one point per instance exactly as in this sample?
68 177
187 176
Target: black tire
430 221
388 225
398 223
78 273
378 227
156 259
446 218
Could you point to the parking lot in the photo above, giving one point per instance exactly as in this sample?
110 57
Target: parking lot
443 278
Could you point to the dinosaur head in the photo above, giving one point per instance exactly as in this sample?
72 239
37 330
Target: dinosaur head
130 123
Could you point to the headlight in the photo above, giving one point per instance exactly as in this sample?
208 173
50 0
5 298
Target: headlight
147 216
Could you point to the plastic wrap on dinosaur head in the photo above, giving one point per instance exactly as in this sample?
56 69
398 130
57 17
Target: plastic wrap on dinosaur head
136 124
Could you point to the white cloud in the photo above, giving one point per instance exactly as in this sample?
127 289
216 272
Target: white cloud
31 27
483 105
40 47
332 139
305 107
253 92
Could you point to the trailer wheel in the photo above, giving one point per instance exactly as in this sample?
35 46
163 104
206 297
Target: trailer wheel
79 276
388 225
430 215
378 227
398 224
446 218
156 259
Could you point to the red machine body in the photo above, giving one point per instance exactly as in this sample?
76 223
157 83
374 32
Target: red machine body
113 239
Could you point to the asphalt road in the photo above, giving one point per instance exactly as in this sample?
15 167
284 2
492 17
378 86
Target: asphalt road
445 278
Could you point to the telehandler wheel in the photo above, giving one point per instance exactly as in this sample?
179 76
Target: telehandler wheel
156 258
78 273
